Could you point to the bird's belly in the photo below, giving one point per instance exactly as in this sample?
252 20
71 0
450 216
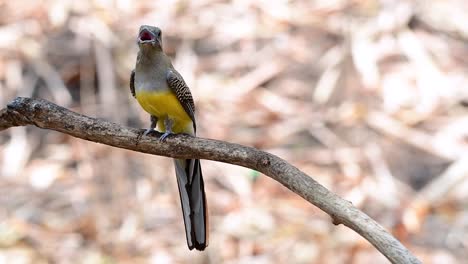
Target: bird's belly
162 105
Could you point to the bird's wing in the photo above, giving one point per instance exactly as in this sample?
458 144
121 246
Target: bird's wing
177 84
132 83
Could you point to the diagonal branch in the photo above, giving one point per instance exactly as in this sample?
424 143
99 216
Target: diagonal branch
43 114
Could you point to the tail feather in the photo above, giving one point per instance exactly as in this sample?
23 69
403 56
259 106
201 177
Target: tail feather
193 201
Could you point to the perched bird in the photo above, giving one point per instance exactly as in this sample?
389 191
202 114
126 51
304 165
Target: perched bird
162 92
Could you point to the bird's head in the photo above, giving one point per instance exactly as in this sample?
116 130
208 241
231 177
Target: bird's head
149 37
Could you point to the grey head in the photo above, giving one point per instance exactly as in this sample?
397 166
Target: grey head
149 38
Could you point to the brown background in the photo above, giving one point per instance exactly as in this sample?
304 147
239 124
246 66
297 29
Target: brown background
368 97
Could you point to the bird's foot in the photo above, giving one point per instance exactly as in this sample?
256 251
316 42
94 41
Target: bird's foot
164 136
148 131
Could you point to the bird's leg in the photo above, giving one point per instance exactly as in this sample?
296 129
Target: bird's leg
168 123
154 121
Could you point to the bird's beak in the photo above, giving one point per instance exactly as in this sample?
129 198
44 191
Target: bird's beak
146 37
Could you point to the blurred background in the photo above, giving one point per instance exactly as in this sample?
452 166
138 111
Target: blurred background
368 97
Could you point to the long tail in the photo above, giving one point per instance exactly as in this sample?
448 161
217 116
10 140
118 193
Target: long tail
193 200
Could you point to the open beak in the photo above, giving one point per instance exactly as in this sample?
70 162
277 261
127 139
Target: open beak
146 37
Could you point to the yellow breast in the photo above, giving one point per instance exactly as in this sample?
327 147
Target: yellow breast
165 104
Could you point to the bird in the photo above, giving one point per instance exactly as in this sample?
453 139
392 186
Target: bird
162 92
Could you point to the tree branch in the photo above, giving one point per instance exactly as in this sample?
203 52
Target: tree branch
43 114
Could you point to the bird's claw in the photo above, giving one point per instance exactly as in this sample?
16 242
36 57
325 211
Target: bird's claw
164 136
148 131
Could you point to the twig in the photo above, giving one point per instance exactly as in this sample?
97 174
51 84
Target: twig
257 77
106 78
388 192
389 126
326 84
43 114
53 80
434 193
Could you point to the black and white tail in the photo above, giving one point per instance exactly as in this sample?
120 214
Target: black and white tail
193 200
